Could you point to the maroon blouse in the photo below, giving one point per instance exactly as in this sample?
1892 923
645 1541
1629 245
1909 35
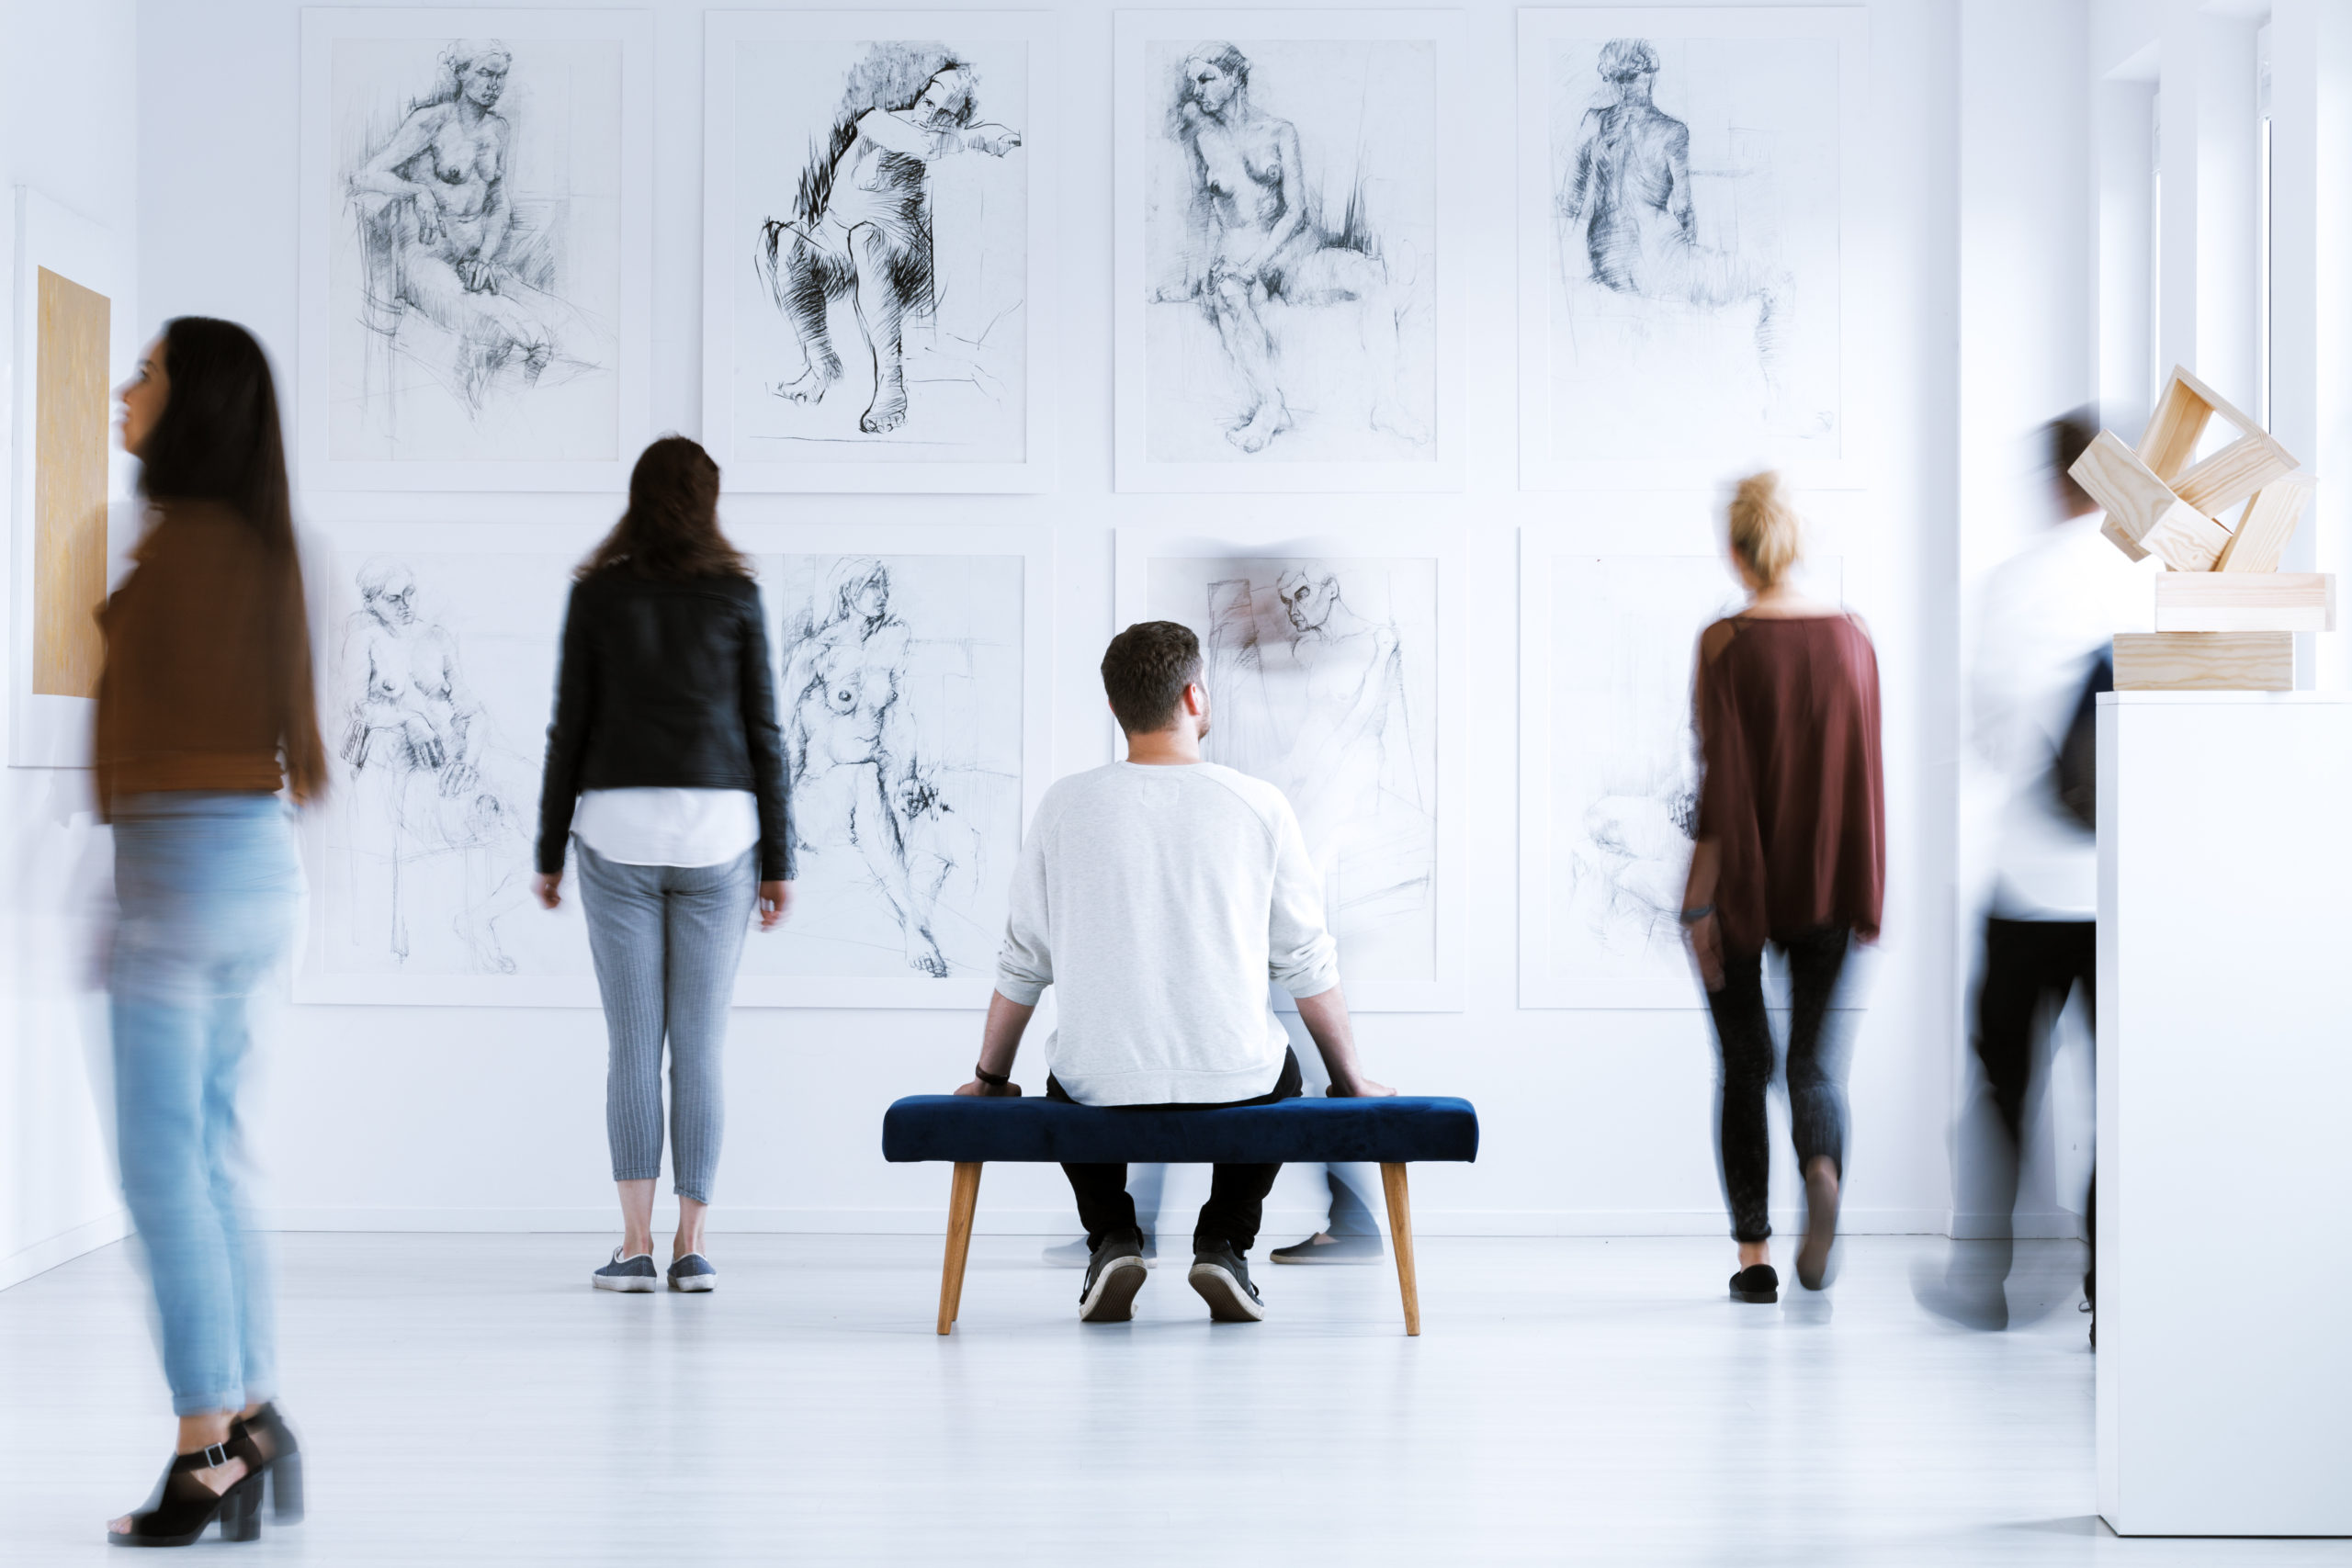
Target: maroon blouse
1793 796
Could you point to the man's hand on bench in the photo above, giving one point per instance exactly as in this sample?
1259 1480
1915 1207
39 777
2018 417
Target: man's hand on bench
1000 1042
1357 1087
1326 1017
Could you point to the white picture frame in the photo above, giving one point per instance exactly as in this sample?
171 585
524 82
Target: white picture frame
1609 766
1441 552
508 650
468 399
1697 408
1177 390
798 453
47 730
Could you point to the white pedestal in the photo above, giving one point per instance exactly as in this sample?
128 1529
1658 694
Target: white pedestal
2225 1112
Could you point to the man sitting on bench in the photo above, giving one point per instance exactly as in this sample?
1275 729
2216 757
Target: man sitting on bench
1159 894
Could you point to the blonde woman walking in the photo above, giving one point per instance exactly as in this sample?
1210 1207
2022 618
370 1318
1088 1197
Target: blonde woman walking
1792 855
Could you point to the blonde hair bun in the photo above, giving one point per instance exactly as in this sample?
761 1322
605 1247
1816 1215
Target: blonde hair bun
1765 531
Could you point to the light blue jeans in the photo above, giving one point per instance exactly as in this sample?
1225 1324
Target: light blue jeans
206 885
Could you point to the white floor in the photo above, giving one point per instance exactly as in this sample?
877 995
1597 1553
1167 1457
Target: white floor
468 1399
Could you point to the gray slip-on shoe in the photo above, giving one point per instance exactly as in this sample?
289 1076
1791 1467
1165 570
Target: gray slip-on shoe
1222 1277
1324 1247
693 1272
1114 1274
636 1274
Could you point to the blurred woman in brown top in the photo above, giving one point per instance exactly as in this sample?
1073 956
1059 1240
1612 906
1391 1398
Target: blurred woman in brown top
1792 855
205 712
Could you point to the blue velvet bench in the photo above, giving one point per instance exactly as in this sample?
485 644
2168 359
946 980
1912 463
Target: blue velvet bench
969 1131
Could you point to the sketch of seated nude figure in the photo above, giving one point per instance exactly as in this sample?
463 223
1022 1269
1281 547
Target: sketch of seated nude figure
1630 886
440 235
1630 190
418 747
1256 236
1319 710
861 227
850 753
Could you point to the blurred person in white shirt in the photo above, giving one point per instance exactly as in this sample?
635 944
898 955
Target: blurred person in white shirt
2050 614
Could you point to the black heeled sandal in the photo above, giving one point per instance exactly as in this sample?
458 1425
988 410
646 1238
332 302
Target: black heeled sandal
266 1444
182 1508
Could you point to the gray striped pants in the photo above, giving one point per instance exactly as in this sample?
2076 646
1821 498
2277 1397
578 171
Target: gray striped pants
666 939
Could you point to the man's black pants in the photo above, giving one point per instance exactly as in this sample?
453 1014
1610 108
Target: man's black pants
2030 966
1236 1192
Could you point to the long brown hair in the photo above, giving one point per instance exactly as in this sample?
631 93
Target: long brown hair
219 439
670 533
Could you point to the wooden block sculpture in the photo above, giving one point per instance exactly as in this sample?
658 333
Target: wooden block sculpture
2269 522
2226 616
2143 516
2230 475
2205 661
2245 602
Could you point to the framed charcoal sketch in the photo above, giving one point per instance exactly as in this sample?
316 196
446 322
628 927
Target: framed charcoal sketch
437 670
1288 318
1685 181
1335 671
878 249
913 668
1609 766
72 328
914 690
476 248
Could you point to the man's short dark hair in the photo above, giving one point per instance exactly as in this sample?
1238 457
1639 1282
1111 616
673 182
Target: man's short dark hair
1145 673
2070 435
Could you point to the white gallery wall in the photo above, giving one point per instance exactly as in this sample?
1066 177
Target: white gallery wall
71 133
1595 1122
1967 227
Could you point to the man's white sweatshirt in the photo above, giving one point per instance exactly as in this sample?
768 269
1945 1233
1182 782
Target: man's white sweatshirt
1157 900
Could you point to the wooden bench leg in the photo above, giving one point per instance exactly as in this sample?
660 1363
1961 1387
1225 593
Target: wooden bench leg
1400 1237
963 1197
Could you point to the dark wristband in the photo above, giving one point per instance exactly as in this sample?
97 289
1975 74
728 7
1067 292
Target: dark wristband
1692 916
994 1080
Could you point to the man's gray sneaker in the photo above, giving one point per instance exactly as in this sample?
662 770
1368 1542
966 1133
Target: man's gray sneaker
1114 1274
1222 1277
693 1272
636 1274
1322 1249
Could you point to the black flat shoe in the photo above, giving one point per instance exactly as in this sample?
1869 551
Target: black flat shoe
266 1444
182 1508
1756 1284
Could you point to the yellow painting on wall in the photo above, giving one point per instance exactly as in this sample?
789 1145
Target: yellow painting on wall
69 487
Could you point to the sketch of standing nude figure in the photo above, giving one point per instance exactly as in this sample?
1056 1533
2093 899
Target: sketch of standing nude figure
849 747
441 237
417 744
1258 235
1321 712
861 227
1629 189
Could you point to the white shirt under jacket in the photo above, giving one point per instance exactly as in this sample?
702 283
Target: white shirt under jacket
1159 901
668 826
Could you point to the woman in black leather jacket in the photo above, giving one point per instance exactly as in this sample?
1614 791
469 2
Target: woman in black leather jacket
665 766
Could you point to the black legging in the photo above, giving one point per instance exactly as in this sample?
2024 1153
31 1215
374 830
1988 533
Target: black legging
1816 1071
